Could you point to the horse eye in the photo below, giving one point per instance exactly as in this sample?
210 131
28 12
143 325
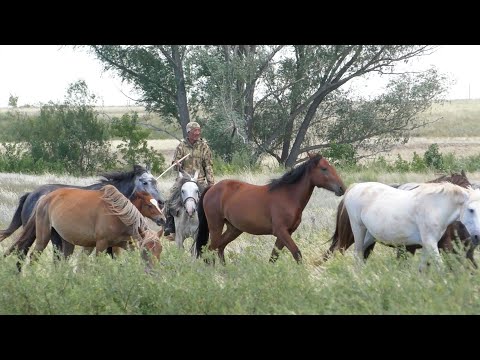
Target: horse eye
324 169
145 183
471 210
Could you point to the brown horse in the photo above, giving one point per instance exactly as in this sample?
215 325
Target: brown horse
272 209
93 218
342 238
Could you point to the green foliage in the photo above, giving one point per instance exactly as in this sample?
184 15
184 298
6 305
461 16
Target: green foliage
401 165
239 163
134 148
433 157
341 154
418 164
65 137
13 101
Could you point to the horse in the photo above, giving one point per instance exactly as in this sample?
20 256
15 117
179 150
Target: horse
140 179
92 218
272 209
416 217
183 205
342 238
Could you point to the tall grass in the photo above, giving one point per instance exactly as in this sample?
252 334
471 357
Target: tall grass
248 284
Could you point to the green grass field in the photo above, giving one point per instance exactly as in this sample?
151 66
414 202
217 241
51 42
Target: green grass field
248 284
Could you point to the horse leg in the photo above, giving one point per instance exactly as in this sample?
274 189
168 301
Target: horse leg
470 251
359 234
279 245
102 245
67 249
228 236
57 243
368 244
284 235
430 247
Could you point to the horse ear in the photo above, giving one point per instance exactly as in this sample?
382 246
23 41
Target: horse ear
463 173
148 167
195 177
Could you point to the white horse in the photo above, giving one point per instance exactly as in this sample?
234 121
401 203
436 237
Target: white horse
419 216
185 212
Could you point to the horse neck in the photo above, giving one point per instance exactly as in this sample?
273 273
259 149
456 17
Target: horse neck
451 207
126 188
301 191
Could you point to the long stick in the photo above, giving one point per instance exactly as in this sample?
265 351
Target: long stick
171 166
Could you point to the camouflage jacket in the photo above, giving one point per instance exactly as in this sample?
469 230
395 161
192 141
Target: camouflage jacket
200 159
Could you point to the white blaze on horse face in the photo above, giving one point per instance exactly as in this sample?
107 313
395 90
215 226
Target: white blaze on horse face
154 202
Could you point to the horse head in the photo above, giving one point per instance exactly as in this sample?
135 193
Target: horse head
145 181
470 214
324 175
190 193
148 207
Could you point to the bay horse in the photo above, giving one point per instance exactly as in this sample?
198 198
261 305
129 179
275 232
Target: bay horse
272 209
140 179
183 206
416 217
92 218
342 238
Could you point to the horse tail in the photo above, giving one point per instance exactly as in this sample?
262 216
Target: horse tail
203 231
26 238
16 221
343 236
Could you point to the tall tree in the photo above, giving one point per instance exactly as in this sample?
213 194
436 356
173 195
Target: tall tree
281 100
156 71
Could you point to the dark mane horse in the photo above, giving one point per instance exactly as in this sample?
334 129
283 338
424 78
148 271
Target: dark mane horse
139 179
342 238
272 209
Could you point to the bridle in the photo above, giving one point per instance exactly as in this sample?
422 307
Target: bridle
190 197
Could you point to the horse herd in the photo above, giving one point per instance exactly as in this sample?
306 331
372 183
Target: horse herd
110 215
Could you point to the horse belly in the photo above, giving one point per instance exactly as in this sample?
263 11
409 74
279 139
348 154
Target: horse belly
392 230
255 224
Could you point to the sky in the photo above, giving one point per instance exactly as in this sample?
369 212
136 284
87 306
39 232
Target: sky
38 74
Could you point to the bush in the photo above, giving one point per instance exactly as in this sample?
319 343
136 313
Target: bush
433 158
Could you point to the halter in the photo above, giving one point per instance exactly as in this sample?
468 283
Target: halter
190 197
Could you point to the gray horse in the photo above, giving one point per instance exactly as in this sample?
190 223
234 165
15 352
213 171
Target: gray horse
183 207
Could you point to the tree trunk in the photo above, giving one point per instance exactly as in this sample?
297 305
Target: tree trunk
181 93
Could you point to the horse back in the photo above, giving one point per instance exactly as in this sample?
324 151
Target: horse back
246 206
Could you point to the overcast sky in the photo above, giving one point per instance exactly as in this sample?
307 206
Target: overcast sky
40 73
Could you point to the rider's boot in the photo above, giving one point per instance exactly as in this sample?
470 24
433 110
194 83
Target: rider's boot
169 225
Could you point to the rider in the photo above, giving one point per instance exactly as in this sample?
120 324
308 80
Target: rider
200 159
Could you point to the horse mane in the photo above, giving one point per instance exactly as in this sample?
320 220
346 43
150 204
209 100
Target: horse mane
176 202
294 174
119 176
122 207
454 178
439 187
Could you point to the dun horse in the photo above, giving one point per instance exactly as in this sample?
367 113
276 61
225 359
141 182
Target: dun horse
275 208
100 219
416 217
140 179
342 238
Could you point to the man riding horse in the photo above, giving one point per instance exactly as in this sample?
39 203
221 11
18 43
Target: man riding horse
200 160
